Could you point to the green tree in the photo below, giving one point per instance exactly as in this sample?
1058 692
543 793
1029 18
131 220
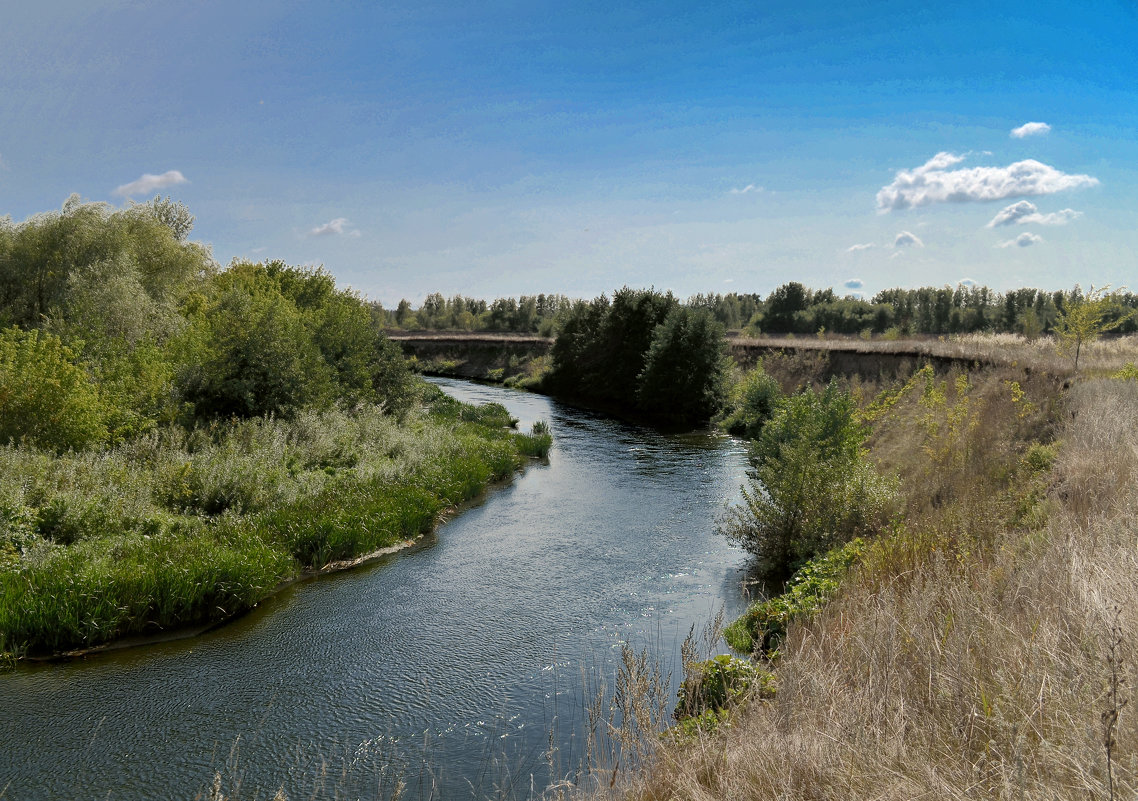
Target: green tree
684 379
46 397
253 355
812 487
1085 318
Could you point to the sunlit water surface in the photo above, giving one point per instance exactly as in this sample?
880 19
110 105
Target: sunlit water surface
447 665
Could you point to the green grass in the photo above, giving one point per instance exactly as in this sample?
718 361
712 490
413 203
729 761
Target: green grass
763 626
184 528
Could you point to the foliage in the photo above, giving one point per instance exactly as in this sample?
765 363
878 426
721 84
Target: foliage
751 403
685 370
1086 318
46 398
1128 372
763 626
812 487
719 683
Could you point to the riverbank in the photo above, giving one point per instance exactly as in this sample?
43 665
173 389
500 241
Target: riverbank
985 647
180 530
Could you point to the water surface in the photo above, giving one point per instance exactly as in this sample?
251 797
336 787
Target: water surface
448 664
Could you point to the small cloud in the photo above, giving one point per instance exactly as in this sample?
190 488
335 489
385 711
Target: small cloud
1030 129
854 283
860 247
933 182
151 183
258 250
746 190
1024 240
907 239
967 282
1025 212
336 227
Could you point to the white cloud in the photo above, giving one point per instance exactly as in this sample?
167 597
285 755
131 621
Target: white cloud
854 283
933 182
747 189
967 282
1025 212
1024 240
906 239
856 248
336 227
1030 129
151 183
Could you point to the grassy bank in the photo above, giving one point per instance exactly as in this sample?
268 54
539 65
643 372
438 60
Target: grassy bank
180 528
984 648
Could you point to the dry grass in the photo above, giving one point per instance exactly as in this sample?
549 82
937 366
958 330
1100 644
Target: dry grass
1105 355
987 651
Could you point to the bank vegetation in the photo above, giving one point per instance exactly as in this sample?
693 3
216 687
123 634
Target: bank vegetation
177 439
973 637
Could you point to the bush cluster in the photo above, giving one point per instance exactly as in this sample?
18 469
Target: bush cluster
641 352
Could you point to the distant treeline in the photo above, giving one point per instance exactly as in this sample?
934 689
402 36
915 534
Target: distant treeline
790 309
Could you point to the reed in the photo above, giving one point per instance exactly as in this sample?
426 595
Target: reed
182 528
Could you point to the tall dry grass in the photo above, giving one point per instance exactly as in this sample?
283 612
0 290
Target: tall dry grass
1040 353
987 650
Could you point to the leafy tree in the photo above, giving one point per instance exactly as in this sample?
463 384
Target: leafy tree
812 487
1086 318
255 356
46 397
685 370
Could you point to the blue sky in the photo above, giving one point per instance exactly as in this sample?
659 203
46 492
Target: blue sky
505 148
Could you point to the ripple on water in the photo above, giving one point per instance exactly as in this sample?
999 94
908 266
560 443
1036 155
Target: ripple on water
468 649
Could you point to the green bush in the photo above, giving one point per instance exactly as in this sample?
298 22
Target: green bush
812 487
46 398
684 379
719 683
763 626
752 402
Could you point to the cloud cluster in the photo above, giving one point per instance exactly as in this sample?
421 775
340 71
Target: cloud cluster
336 227
907 239
1030 129
151 183
935 182
1025 212
859 247
1024 240
746 190
854 283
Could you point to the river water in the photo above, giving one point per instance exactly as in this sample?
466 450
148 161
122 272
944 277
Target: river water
447 666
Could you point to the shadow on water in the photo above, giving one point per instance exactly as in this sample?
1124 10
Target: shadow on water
462 667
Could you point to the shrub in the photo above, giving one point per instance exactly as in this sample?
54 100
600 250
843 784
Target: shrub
685 369
764 624
719 683
753 400
812 487
45 396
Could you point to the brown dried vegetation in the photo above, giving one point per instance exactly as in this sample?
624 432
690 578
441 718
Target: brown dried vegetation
986 649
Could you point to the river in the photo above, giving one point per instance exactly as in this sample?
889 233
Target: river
446 666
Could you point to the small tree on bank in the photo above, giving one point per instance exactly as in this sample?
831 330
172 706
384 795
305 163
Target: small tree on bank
1087 318
812 487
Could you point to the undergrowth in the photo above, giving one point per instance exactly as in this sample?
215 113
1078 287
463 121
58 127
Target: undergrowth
184 528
